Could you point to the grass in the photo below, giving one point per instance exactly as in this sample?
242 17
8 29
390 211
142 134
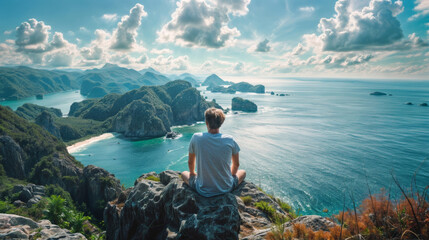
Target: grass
247 200
153 178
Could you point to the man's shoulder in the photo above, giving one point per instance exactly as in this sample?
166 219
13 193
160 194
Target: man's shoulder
227 137
197 135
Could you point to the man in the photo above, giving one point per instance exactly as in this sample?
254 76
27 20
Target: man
213 152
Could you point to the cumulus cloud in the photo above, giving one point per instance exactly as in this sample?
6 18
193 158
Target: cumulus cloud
110 17
96 50
161 51
263 46
124 36
421 8
32 33
308 9
373 26
171 63
239 67
299 49
200 23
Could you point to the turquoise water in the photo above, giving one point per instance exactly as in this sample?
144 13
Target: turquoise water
60 100
327 139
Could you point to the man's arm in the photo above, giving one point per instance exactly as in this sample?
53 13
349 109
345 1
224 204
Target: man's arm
235 164
191 164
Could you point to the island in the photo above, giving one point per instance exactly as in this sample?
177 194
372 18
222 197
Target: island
215 80
378 94
240 104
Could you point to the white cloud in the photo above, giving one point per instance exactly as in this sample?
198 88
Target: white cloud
124 36
7 32
83 29
371 27
200 23
110 17
171 63
32 33
239 67
308 9
161 51
421 8
299 49
263 46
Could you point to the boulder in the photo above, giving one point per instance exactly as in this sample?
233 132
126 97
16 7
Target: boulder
172 135
313 222
409 103
17 227
169 209
240 104
423 104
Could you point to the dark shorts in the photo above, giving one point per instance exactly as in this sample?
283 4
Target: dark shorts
193 182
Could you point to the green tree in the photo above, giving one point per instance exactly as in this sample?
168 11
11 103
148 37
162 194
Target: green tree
56 209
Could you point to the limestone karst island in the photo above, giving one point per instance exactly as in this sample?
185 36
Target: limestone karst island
214 120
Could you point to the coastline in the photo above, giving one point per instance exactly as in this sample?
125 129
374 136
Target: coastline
77 146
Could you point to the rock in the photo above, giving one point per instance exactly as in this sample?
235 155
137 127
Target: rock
100 187
409 103
139 120
169 209
172 135
17 227
46 121
390 94
313 222
240 104
18 203
378 94
272 93
25 195
283 94
423 104
33 201
12 153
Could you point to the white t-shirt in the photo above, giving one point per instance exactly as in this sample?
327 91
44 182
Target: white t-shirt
213 157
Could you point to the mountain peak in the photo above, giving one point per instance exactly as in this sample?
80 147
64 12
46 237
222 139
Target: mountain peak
109 65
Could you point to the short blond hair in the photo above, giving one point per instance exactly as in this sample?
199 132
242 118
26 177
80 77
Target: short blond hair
214 117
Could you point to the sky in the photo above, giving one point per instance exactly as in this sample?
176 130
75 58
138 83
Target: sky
304 38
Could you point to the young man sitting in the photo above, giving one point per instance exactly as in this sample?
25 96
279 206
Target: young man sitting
217 159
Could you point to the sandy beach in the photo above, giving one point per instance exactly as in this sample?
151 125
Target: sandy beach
75 147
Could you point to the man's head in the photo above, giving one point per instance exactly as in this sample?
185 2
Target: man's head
214 118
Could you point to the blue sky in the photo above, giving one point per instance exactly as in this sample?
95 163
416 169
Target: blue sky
343 38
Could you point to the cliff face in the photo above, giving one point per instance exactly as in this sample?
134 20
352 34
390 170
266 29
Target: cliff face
169 209
29 152
146 112
240 104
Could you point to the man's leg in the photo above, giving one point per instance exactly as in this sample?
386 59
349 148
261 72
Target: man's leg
241 175
185 176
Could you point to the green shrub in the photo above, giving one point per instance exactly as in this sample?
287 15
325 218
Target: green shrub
247 200
153 178
266 208
56 209
5 206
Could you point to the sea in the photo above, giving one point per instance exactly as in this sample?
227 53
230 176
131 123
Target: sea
326 144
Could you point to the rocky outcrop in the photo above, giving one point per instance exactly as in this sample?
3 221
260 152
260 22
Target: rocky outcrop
240 104
17 227
141 119
99 187
220 89
12 157
46 121
31 111
378 94
28 195
169 209
247 87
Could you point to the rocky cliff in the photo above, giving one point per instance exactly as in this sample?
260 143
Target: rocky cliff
31 153
146 112
169 209
240 104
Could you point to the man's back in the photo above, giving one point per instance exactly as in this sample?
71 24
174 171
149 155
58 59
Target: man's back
213 156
